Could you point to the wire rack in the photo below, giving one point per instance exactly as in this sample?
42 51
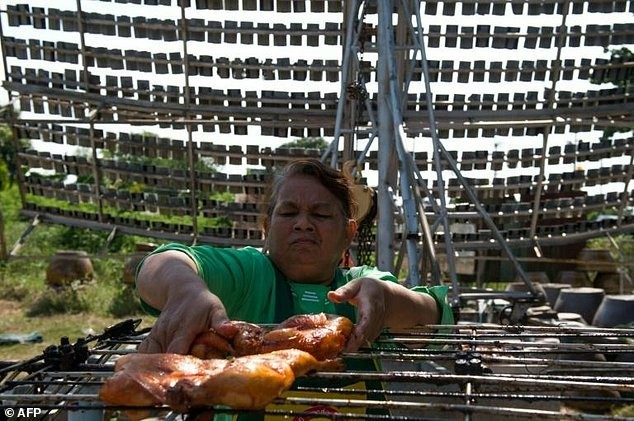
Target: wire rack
475 371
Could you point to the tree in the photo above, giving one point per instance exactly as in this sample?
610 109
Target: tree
8 152
307 142
620 75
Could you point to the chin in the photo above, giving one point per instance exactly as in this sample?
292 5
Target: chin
306 275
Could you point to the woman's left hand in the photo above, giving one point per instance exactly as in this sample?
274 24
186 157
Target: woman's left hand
384 304
369 296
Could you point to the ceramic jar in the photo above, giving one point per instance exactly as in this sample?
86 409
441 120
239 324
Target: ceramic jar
615 310
584 301
67 266
129 268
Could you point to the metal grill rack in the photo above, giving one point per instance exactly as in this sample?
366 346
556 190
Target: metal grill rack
545 369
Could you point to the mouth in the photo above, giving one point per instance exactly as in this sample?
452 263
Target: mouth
303 241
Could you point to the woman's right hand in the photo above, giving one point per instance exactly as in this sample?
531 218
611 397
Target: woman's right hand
169 282
185 315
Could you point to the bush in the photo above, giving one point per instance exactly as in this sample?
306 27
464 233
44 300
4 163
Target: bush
68 300
106 295
124 303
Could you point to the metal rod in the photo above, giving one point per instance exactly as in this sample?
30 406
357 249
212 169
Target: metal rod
442 216
191 156
385 220
489 222
96 172
555 76
333 148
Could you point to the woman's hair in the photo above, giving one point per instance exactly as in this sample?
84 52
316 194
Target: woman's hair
335 181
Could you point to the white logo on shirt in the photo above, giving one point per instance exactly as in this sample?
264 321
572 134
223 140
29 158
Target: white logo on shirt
310 296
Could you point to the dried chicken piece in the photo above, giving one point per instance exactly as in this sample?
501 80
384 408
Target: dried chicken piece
209 345
185 382
322 335
249 382
143 379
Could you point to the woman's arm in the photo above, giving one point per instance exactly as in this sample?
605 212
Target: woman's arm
155 278
407 308
169 282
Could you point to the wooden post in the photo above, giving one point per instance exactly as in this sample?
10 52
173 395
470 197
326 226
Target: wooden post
18 244
3 239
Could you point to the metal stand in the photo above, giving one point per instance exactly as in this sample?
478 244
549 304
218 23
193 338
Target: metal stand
397 171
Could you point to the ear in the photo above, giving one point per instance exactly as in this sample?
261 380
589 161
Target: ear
265 225
351 230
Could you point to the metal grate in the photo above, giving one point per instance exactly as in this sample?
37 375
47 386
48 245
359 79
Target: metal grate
554 370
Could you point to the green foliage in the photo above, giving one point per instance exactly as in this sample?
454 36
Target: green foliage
224 196
8 154
124 303
622 249
618 56
87 179
625 411
593 215
88 240
91 241
163 217
69 300
16 291
5 179
624 243
106 295
307 142
11 205
22 279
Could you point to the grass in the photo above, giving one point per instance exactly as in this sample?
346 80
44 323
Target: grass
52 328
29 305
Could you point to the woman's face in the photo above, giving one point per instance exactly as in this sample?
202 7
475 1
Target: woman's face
308 231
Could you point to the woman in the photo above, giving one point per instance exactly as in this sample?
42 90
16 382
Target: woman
308 226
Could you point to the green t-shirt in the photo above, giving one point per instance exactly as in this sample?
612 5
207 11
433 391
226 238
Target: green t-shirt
245 281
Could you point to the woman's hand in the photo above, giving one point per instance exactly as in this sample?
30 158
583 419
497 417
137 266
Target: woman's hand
185 315
383 304
368 295
169 282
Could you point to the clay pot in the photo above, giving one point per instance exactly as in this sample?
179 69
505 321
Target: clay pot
596 260
552 291
574 278
614 310
609 281
583 301
67 266
129 267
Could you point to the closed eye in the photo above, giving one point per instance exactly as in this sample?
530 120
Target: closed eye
287 213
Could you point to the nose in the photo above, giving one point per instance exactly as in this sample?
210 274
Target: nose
303 222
